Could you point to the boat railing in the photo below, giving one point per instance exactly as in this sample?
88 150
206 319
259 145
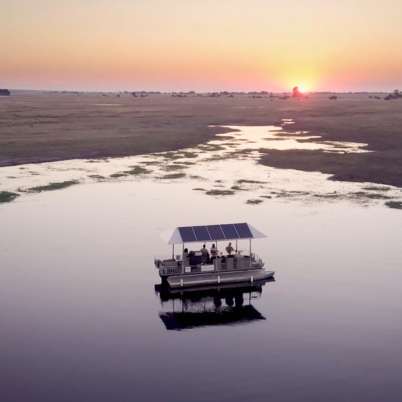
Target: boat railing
232 263
173 266
256 259
170 269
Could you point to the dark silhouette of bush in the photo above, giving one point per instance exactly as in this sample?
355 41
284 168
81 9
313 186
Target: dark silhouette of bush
4 92
394 95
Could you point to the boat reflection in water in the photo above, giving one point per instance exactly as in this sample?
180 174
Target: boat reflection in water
209 306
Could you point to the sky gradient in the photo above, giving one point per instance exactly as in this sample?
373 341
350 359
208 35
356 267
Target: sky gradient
201 45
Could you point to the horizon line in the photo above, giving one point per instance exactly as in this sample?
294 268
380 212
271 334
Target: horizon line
189 91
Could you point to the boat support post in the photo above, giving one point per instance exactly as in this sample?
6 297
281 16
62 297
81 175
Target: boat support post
250 250
183 268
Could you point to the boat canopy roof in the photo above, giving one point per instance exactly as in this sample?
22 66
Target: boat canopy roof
231 231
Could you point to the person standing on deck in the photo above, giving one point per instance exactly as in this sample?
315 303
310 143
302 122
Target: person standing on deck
204 255
214 252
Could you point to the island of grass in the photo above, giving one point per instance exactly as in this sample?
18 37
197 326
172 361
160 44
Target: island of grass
254 202
245 181
137 170
174 167
118 175
173 176
96 176
220 192
52 186
394 204
134 171
7 196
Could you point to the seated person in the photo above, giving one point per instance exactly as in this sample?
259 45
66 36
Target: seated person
229 249
204 255
195 257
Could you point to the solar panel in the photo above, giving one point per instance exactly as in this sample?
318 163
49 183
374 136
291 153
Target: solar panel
187 234
229 231
243 230
201 233
216 232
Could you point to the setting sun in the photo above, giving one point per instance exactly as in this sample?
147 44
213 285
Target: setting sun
303 88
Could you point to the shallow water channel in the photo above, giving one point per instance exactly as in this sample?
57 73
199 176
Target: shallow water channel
81 319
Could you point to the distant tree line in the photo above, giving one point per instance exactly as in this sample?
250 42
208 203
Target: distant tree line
394 95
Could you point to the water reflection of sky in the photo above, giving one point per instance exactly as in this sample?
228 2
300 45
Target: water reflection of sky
225 166
275 137
81 320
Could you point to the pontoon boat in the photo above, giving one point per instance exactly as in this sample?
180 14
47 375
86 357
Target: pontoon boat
195 268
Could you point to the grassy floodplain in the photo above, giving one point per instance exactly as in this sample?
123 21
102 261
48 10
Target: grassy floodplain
48 126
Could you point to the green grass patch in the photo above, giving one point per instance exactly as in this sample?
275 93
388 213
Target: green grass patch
211 147
136 170
254 201
188 154
173 176
52 186
118 175
151 163
169 168
96 177
220 192
238 188
184 163
376 188
172 155
371 196
7 196
394 204
196 177
327 195
244 181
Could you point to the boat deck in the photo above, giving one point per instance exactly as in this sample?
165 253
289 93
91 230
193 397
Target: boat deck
217 278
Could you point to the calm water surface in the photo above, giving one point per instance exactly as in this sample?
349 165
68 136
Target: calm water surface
81 321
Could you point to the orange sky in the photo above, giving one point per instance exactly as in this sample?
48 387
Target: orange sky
201 44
